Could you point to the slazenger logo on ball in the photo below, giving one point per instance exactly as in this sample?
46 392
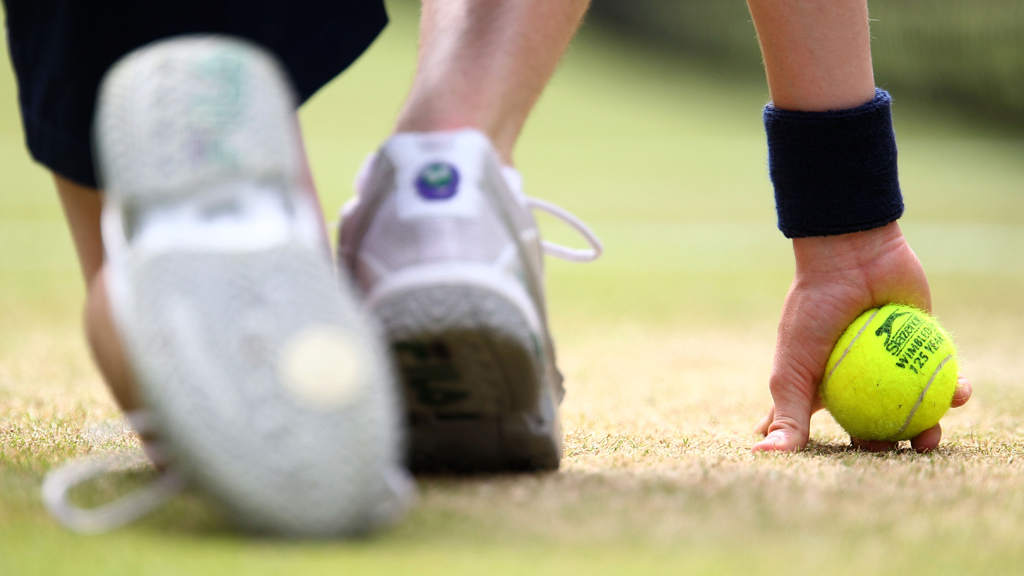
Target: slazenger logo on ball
912 342
438 181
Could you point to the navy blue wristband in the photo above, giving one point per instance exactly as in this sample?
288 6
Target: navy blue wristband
834 172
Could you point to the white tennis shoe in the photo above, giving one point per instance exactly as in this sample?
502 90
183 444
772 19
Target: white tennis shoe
265 381
442 242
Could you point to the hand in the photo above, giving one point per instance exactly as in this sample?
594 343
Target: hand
837 278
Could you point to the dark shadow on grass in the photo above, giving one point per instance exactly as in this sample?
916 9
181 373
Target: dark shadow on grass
829 450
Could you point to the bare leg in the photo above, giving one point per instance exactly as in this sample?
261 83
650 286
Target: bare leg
484 63
82 206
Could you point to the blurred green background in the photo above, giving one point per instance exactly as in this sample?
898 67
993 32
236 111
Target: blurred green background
967 56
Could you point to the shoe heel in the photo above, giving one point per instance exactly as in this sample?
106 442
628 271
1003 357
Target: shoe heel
474 380
191 113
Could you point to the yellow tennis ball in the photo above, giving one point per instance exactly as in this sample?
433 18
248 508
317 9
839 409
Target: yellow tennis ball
892 374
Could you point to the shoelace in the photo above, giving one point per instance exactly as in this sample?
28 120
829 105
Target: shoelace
564 252
58 484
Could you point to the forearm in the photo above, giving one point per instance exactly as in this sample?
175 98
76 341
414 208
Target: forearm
817 53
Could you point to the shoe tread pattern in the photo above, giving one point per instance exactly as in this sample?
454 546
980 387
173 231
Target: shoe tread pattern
473 378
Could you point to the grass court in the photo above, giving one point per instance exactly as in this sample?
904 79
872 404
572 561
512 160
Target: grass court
666 344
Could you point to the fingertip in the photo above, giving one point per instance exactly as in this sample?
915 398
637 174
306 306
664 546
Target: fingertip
777 441
770 443
963 391
928 440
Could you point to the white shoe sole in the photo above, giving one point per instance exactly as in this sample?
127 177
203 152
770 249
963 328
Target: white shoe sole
264 378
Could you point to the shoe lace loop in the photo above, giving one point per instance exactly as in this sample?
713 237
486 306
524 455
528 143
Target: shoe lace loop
58 484
564 252
106 517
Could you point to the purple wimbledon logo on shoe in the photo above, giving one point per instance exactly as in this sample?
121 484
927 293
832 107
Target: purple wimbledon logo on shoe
438 181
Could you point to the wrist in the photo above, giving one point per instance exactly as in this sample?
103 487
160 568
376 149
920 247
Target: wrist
834 172
846 251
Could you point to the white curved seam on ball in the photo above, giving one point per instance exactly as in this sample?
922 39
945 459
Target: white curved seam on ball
847 351
921 397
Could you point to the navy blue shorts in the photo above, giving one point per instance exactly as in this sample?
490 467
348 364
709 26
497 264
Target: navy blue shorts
61 48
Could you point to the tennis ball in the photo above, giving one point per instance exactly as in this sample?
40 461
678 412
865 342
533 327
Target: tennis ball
892 374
